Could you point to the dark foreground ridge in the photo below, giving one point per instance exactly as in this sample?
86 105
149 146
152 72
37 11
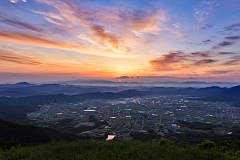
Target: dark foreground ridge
108 150
29 142
12 134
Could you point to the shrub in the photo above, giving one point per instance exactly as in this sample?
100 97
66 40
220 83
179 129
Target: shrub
207 144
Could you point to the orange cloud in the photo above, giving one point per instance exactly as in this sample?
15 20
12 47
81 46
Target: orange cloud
105 37
39 40
113 29
101 31
27 60
179 61
20 59
169 62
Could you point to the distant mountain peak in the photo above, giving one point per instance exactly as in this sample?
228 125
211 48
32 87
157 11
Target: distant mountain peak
22 83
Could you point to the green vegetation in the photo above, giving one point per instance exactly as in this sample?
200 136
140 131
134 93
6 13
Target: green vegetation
92 149
188 138
25 135
15 109
198 125
29 142
69 127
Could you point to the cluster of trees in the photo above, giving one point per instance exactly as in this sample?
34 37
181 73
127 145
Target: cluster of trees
191 137
67 126
198 125
13 134
15 109
94 149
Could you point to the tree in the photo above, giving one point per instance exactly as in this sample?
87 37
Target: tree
207 144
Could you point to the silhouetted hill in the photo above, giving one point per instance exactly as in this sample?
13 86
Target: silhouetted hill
229 95
13 134
23 83
194 82
24 90
134 92
198 92
15 109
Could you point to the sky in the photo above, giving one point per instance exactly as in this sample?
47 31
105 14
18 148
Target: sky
120 40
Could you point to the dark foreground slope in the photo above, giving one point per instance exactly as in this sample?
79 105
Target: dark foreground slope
109 150
16 108
29 142
13 134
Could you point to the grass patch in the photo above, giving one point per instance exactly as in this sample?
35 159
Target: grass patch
92 149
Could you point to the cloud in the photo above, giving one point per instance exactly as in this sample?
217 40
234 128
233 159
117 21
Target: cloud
235 4
192 78
226 53
177 25
231 29
234 61
44 41
157 77
2 14
205 27
168 62
22 25
123 77
105 31
202 12
108 31
233 38
175 32
201 28
16 1
14 57
234 27
108 28
201 15
13 1
223 44
200 54
104 36
178 60
173 57
37 40
53 18
204 9
20 59
219 72
207 41
204 61
50 15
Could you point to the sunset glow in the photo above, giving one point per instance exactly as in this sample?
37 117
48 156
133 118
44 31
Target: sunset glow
142 41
